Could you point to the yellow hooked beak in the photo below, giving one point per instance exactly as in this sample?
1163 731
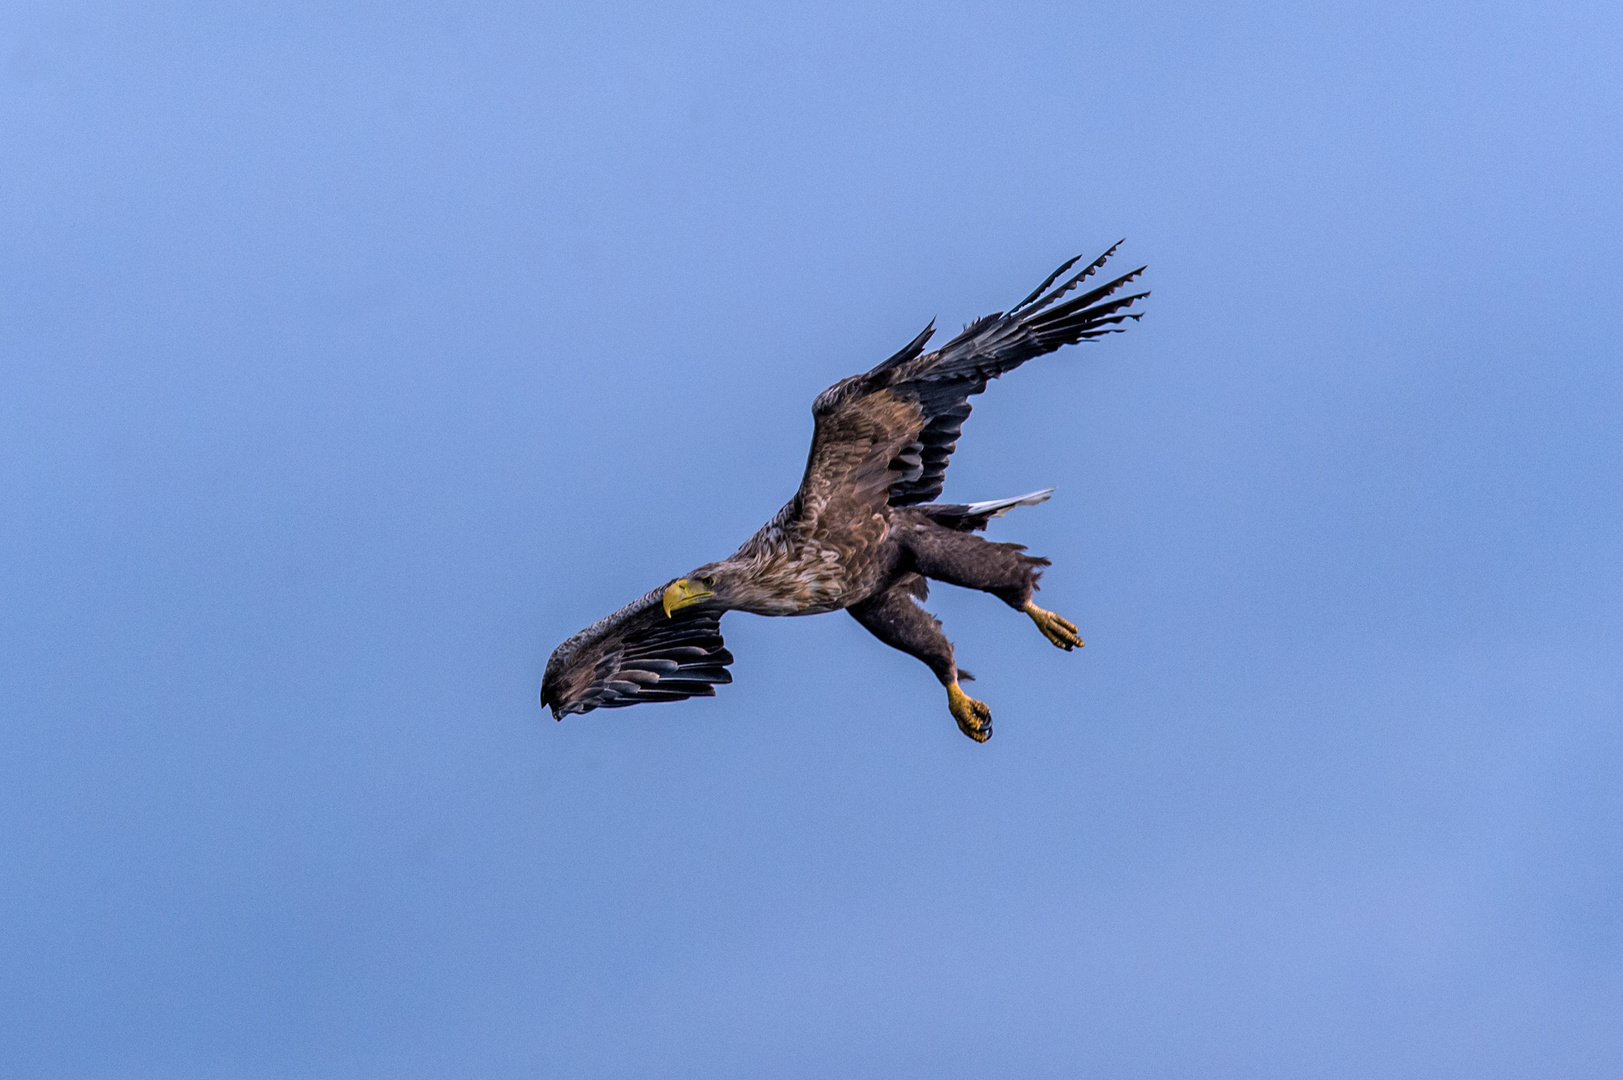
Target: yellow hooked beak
681 593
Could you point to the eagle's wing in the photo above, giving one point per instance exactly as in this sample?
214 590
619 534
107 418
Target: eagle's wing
942 382
637 654
938 386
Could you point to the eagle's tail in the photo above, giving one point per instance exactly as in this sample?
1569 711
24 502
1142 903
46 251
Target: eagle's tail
974 516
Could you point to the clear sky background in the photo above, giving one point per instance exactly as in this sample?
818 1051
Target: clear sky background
350 360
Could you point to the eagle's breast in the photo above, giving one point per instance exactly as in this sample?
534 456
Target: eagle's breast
829 568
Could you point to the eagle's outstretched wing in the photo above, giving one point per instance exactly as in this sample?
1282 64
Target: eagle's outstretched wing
637 654
944 381
894 429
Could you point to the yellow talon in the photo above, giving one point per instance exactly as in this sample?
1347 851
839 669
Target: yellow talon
974 718
1059 630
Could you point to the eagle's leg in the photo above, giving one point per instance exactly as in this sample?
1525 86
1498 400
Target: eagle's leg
1004 570
893 617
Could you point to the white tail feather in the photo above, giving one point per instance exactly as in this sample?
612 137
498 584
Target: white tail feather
998 507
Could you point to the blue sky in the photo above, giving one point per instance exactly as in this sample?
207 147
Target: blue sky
351 359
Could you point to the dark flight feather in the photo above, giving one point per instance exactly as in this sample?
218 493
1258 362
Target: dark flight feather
637 655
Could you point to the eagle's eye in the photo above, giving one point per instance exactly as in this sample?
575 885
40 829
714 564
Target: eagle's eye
708 581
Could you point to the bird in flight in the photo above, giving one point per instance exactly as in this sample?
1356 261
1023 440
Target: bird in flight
862 533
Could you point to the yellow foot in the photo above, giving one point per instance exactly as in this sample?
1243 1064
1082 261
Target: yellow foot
974 718
1060 631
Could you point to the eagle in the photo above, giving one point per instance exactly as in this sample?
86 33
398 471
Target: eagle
863 533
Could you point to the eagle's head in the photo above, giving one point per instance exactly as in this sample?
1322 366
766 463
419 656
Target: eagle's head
713 585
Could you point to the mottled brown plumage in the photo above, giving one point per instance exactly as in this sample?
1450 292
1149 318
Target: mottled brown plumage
861 532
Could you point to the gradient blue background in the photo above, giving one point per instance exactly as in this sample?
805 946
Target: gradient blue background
352 359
